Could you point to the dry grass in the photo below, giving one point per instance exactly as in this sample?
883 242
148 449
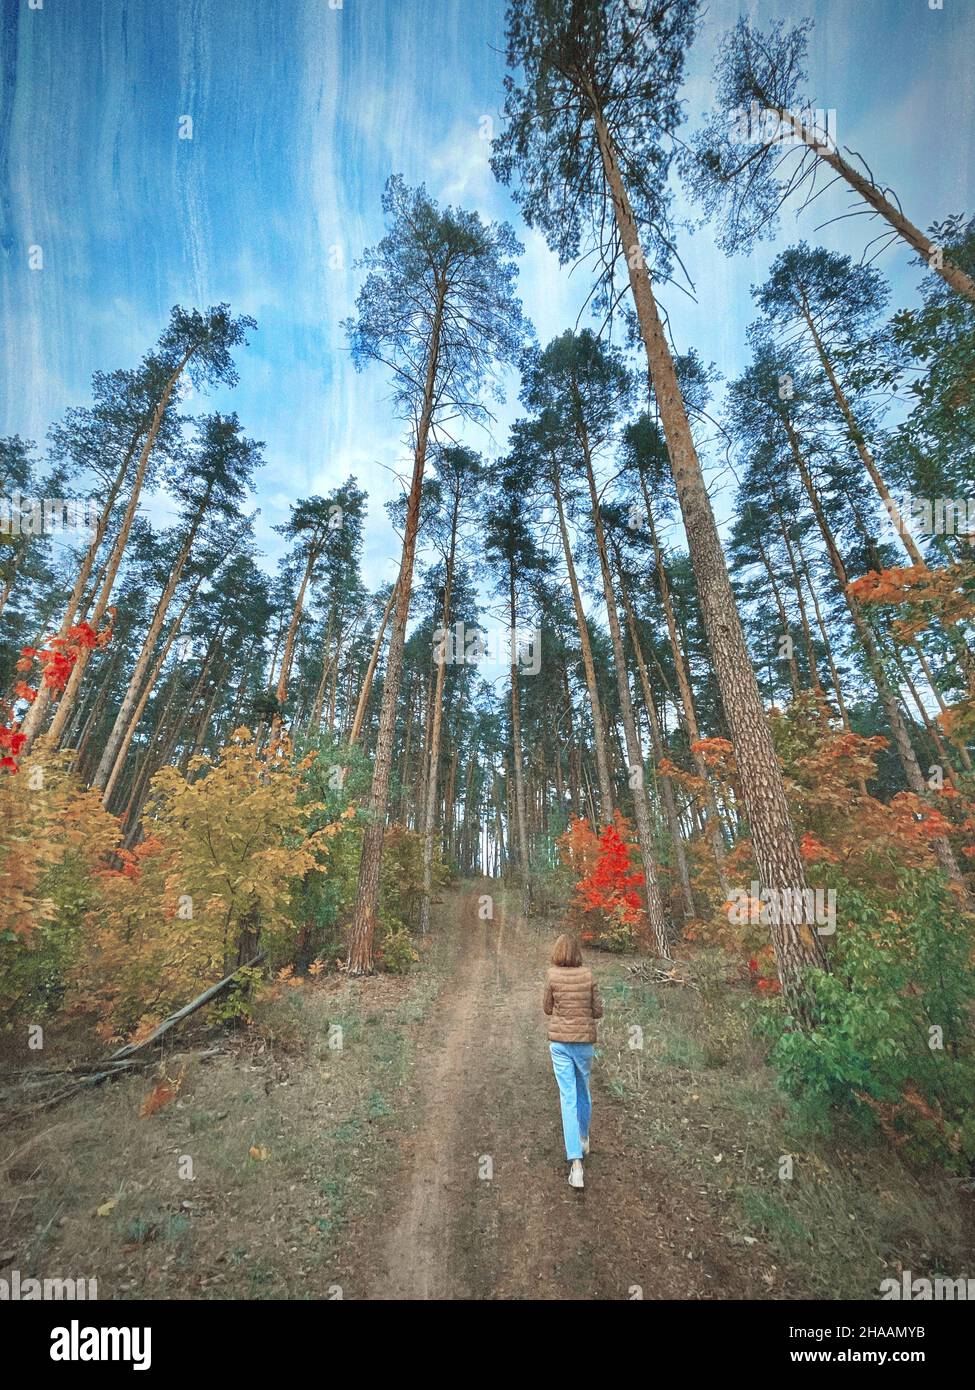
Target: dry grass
703 1100
282 1135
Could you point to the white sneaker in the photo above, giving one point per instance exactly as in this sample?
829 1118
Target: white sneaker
585 1145
575 1174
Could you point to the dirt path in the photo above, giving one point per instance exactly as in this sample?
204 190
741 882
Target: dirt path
479 1207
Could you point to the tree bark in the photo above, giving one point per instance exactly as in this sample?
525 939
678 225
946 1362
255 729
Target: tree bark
783 617
139 709
124 718
364 693
364 919
956 639
430 810
656 736
712 821
589 666
656 918
70 695
524 854
898 727
35 715
952 274
797 946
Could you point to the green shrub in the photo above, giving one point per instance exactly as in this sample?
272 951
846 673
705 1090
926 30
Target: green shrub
396 950
892 1042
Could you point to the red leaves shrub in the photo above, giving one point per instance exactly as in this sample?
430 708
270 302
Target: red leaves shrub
611 886
606 893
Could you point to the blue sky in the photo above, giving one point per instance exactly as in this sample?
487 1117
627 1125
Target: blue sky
300 110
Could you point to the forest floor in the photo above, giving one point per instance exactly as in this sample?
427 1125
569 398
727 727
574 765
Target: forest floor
424 1158
479 1205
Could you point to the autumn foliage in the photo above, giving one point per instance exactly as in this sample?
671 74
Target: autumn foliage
944 594
920 596
210 887
58 657
606 891
54 836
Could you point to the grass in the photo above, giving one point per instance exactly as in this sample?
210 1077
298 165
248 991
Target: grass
700 1096
246 1184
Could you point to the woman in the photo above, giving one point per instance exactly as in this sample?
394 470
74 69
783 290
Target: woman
573 1004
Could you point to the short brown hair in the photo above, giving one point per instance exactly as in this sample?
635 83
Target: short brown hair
566 951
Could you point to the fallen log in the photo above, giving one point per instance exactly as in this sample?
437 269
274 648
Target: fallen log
124 1060
186 1010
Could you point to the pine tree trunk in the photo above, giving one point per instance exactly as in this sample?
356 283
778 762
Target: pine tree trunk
364 920
139 709
780 866
656 918
801 602
315 718
281 691
656 737
81 761
958 644
36 714
124 718
364 693
589 666
67 702
430 811
783 617
524 857
712 822
952 274
834 674
9 583
888 697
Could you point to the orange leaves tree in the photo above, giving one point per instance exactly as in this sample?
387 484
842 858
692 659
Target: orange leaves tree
849 841
944 594
846 834
920 596
212 884
893 1037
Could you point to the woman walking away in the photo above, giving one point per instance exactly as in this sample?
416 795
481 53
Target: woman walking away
573 1004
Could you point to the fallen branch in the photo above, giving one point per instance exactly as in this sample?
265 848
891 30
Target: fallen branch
94 1080
186 1010
124 1060
662 972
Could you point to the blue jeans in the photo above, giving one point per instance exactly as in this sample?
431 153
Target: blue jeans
571 1063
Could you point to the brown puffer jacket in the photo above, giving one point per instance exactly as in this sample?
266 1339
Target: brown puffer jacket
573 1004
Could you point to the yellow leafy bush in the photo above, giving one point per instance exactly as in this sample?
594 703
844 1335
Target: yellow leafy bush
54 836
209 887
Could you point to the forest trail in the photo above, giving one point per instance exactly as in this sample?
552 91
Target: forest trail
488 1104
